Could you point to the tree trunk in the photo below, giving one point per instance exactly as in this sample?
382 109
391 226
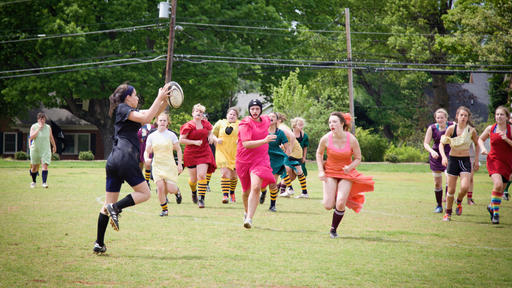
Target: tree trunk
441 97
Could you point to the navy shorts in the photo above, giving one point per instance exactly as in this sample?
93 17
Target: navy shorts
123 165
457 165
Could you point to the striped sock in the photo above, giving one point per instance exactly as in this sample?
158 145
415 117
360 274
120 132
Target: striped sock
201 187
273 196
225 185
208 178
287 183
193 186
147 174
336 219
234 182
164 206
303 185
496 202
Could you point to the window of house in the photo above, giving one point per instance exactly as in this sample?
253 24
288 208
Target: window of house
10 142
74 143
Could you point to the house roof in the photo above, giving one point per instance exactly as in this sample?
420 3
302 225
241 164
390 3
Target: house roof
62 117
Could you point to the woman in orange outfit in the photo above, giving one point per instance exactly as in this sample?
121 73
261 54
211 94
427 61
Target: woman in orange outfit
343 186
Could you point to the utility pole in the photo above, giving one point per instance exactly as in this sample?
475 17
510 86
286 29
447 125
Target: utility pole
170 44
350 79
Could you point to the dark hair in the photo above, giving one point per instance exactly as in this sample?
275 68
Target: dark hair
341 116
41 115
119 96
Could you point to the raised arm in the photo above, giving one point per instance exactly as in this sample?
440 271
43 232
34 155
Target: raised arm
145 116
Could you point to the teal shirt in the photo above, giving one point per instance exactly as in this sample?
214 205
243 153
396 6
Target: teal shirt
277 155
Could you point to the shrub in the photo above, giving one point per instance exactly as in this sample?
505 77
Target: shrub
405 154
55 157
21 155
373 146
86 155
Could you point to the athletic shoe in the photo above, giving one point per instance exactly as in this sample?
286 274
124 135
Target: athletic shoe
98 249
248 223
495 219
272 208
179 198
447 217
225 199
506 196
471 202
284 194
458 211
489 209
33 185
290 190
200 202
333 234
113 214
262 197
194 198
302 195
439 209
232 197
208 188
45 185
164 213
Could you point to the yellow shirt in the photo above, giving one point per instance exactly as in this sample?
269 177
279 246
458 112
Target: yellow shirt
225 152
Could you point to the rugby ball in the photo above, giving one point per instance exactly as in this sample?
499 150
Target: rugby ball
174 95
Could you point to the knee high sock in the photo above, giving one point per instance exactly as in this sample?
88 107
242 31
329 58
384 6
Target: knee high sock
123 203
193 186
34 175
234 182
147 174
201 187
302 181
102 227
470 194
164 206
44 175
273 196
495 202
287 183
225 186
208 178
439 196
336 219
508 185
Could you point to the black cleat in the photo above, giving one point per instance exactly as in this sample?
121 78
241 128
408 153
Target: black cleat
113 214
506 196
200 202
99 249
178 197
495 219
489 209
272 208
194 198
262 197
164 213
333 234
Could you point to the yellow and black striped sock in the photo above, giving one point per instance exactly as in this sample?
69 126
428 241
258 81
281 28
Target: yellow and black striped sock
287 183
225 185
208 178
147 174
234 182
193 186
164 206
201 187
273 196
303 185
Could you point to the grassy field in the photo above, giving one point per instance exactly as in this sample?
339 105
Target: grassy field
396 241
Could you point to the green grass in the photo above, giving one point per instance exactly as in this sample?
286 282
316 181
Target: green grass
396 241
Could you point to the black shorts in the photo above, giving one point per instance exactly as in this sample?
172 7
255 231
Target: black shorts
123 165
457 165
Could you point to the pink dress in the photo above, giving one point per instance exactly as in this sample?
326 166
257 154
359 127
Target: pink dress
253 160
336 160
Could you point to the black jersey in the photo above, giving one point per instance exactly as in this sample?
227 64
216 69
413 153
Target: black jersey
125 129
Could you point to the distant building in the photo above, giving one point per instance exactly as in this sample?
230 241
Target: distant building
75 135
243 100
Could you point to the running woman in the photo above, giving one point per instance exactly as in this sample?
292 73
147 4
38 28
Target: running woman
226 135
343 186
161 143
459 137
499 159
434 132
196 135
123 162
252 159
40 153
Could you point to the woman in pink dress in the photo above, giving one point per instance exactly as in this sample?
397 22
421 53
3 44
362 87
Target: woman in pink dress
499 159
196 134
252 159
343 186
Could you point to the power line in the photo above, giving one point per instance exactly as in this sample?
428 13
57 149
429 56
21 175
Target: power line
13 2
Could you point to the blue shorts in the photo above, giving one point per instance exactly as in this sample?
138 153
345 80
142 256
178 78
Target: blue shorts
123 165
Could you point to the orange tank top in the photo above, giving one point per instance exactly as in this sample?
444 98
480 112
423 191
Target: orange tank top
337 158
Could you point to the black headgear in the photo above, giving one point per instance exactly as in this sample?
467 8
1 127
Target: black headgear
255 102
